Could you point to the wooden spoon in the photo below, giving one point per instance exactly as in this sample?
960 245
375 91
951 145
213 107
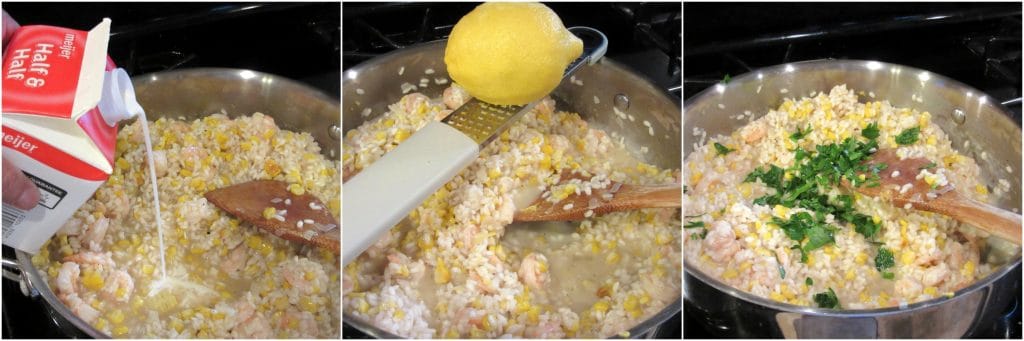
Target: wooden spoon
943 200
299 218
615 197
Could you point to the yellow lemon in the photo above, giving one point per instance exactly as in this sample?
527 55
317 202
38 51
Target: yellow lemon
510 53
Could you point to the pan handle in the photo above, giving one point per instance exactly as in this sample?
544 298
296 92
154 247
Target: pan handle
12 271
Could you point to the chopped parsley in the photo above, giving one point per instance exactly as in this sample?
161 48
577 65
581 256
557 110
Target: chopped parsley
908 136
697 224
888 275
827 299
782 270
799 134
809 281
813 174
871 131
722 150
884 260
930 165
726 79
801 225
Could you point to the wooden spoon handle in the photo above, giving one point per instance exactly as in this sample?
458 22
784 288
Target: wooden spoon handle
636 197
994 220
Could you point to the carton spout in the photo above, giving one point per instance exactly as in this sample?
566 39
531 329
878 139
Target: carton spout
118 102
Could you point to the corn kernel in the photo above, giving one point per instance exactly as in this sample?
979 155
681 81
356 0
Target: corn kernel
177 325
401 135
601 306
92 280
931 291
908 257
780 211
296 189
533 315
632 306
968 269
695 177
612 258
307 304
269 213
861 258
116 316
271 168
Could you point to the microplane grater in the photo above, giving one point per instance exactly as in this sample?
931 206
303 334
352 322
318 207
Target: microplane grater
384 193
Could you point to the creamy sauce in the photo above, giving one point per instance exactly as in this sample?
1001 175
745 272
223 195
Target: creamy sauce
575 278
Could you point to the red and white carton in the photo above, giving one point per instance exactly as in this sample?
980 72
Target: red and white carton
62 99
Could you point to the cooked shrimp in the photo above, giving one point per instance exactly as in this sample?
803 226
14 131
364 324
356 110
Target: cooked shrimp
545 330
67 291
72 227
347 285
118 286
302 324
754 132
401 266
67 277
412 103
78 306
95 232
466 318
256 327
455 96
546 106
720 243
386 242
468 234
87 257
235 261
908 287
486 286
533 271
935 275
298 280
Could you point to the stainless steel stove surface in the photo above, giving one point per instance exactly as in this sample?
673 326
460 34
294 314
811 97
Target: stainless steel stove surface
300 41
977 44
643 36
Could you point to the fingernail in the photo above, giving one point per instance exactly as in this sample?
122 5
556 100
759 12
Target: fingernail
28 199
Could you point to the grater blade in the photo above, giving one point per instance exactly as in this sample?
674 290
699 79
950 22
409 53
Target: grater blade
482 121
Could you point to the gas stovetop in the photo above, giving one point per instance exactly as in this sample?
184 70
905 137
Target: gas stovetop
300 41
645 37
977 44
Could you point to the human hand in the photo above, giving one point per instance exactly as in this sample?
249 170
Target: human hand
18 190
9 27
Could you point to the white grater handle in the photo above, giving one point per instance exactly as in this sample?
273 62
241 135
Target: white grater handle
384 193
